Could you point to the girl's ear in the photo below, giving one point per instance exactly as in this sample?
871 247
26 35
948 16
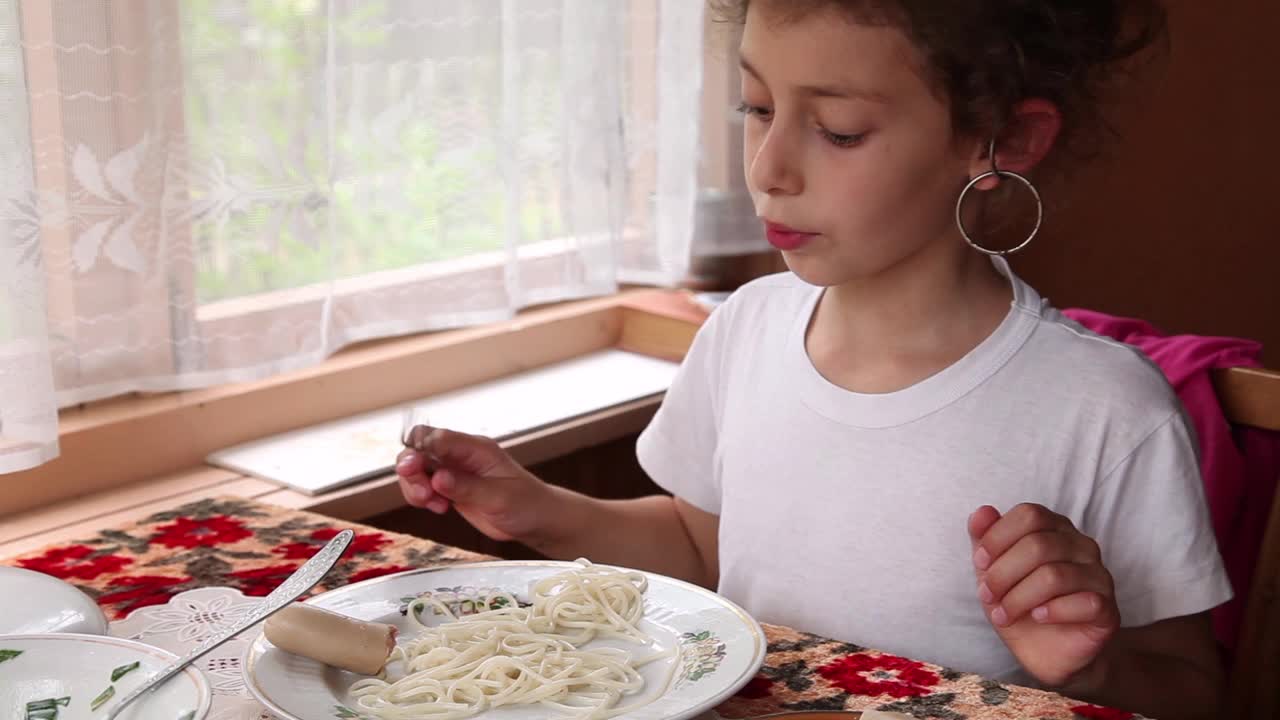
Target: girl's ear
1030 135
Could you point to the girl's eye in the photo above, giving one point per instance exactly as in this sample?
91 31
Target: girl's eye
843 141
755 110
837 139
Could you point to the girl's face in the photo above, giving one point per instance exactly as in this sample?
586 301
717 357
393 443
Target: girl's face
847 145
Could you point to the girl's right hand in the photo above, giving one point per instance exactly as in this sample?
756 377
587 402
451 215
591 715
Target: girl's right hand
439 468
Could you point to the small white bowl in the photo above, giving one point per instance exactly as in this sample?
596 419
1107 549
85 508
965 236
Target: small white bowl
79 667
33 603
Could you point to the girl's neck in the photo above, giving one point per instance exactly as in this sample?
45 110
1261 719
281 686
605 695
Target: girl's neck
889 331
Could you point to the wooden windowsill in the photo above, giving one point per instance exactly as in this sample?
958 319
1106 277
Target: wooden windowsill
127 458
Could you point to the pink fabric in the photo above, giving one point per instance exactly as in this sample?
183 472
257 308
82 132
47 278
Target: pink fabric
1240 466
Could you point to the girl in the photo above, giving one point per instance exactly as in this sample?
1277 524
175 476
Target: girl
899 443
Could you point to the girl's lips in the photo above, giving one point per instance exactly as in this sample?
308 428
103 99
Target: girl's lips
786 238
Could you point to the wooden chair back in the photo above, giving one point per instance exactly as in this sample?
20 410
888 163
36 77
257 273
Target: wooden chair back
1252 398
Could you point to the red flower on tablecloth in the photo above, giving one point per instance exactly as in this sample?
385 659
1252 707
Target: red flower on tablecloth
186 532
261 581
140 591
73 562
1095 712
757 688
873 675
362 544
373 572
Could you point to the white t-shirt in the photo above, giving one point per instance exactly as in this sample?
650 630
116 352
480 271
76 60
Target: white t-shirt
845 514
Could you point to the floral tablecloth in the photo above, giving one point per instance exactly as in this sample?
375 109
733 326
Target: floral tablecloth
174 577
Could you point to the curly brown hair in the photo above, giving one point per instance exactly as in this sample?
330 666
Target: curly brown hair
986 56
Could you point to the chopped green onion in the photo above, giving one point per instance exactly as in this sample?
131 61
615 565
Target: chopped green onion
46 709
124 670
106 695
191 714
9 654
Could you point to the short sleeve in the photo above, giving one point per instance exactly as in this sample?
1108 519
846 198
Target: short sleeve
1151 519
678 449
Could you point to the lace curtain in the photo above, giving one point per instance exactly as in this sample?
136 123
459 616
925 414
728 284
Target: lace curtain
211 191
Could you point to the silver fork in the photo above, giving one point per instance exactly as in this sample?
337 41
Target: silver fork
410 418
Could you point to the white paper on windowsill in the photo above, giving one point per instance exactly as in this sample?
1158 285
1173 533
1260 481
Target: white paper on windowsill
321 458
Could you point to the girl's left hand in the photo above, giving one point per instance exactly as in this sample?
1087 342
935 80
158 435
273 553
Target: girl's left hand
1045 590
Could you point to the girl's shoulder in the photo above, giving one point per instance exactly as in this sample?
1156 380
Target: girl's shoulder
1079 361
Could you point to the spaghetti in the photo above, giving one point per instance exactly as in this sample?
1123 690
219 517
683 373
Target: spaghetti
522 655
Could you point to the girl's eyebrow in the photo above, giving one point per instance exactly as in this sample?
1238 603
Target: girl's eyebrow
842 92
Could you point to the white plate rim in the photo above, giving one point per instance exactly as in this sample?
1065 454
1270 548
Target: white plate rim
202 685
759 644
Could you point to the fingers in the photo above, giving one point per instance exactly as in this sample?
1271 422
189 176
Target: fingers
415 485
470 454
416 436
1049 583
434 461
409 462
1034 562
1032 551
419 494
443 486
1078 609
485 494
981 521
1006 531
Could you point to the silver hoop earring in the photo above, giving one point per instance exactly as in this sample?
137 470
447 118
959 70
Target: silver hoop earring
998 173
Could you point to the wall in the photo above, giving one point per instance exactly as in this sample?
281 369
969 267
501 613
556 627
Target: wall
1180 227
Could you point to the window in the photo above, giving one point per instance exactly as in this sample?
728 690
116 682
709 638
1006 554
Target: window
218 190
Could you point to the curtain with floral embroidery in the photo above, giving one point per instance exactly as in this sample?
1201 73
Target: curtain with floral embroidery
211 191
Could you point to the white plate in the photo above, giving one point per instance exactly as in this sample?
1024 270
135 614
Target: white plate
33 603
79 667
721 646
